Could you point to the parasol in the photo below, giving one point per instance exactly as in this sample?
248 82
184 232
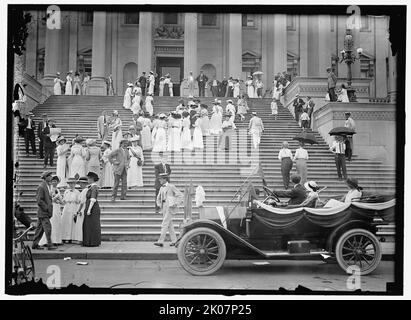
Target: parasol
258 73
306 137
340 131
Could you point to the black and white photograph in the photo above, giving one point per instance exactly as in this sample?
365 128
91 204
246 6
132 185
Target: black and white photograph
227 148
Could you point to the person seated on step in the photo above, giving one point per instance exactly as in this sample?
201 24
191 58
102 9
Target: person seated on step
297 194
354 192
312 200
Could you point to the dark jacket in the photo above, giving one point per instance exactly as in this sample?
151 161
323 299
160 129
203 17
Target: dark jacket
297 194
158 169
40 129
44 201
202 80
25 123
47 141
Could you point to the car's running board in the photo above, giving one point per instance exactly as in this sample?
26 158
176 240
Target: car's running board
285 254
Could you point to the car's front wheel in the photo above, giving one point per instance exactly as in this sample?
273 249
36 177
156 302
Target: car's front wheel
358 251
201 251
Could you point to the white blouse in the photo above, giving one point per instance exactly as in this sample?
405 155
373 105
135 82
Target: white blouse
301 153
285 153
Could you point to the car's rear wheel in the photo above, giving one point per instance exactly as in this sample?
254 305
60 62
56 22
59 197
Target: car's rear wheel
201 251
359 251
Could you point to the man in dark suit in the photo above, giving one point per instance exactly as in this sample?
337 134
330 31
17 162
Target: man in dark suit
297 194
331 83
143 83
29 136
120 159
40 135
49 145
44 211
222 89
202 80
298 107
162 168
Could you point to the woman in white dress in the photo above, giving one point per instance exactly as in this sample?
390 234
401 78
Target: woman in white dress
197 134
107 171
236 92
62 152
76 86
161 87
205 121
230 109
354 192
160 137
76 158
135 170
146 132
343 95
55 220
136 101
93 157
242 108
84 84
186 142
69 84
57 84
216 120
300 158
274 109
174 132
127 96
258 88
77 229
71 204
149 104
117 133
250 87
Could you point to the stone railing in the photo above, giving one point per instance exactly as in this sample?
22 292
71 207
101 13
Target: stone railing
35 92
375 126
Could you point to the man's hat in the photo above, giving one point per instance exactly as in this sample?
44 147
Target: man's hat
229 101
46 174
93 175
71 180
78 140
124 141
347 113
107 143
83 179
311 186
254 113
353 182
135 138
61 138
57 178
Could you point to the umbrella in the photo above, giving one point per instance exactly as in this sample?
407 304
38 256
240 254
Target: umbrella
341 131
306 137
258 73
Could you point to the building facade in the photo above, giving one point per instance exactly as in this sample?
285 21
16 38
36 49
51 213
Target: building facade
125 44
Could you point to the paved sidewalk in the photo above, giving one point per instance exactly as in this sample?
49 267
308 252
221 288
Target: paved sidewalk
124 250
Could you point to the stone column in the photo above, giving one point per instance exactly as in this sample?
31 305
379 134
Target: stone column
73 48
280 44
319 45
392 77
190 44
145 40
97 84
303 45
382 51
235 48
51 56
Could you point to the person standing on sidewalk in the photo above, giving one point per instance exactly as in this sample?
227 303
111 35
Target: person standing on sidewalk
44 211
120 160
168 199
338 148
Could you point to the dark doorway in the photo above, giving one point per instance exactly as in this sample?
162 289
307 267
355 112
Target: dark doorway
175 67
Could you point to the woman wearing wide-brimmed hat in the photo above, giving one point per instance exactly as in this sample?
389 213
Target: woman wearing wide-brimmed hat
174 132
69 83
62 151
135 170
216 120
250 87
71 203
117 133
136 101
93 156
148 104
145 135
92 224
107 171
160 136
186 142
57 84
354 192
205 120
77 158
127 96
197 134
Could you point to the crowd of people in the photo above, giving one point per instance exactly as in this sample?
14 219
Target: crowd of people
78 84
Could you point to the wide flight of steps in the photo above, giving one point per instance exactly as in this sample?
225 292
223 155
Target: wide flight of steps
135 218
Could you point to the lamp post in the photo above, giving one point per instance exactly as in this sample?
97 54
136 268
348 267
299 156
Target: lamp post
349 56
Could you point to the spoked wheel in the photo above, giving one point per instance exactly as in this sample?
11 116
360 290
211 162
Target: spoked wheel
201 251
28 264
358 247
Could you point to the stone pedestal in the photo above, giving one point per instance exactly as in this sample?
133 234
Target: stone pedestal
97 84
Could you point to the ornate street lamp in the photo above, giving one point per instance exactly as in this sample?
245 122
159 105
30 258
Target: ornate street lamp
349 56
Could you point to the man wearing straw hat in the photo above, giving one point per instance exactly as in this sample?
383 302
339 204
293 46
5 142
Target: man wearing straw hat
168 200
44 211
120 159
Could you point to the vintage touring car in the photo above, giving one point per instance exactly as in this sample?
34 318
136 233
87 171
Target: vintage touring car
255 229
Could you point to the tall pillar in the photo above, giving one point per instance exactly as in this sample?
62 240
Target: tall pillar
190 44
280 43
97 84
303 45
51 56
73 48
235 47
392 77
319 45
382 51
145 42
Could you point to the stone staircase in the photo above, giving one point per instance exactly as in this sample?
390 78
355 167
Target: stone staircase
135 218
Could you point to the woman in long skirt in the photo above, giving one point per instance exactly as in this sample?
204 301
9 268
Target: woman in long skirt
198 134
55 220
69 84
84 84
135 170
146 132
166 89
216 120
76 86
77 234
94 153
242 108
128 96
160 137
250 87
186 142
136 103
274 109
285 156
300 159
71 204
236 92
57 84
92 224
62 151
117 133
174 132
107 172
76 158
161 87
205 121
149 104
